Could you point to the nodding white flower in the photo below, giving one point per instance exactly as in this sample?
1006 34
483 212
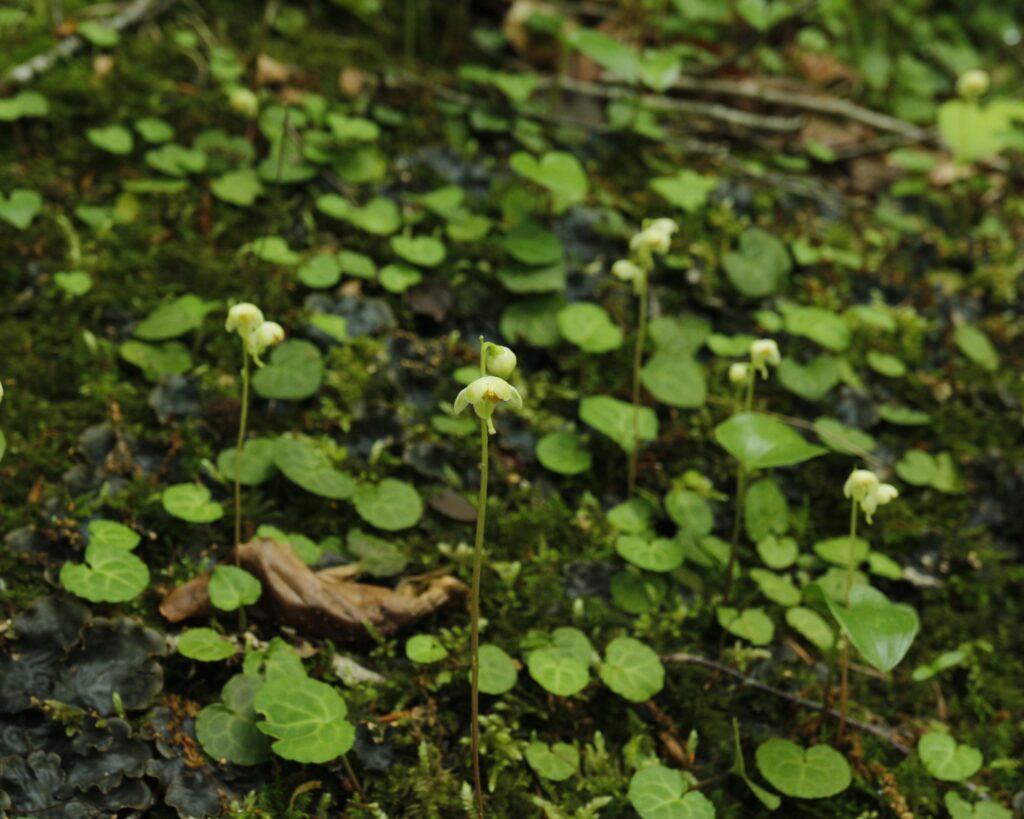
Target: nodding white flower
268 334
656 236
739 373
485 394
243 318
865 489
763 352
972 84
501 361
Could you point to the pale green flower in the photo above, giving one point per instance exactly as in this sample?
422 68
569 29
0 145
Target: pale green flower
655 237
268 334
243 318
501 361
485 394
764 352
866 490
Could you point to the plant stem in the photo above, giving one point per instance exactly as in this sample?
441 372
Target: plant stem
474 607
845 673
353 778
243 422
741 493
638 360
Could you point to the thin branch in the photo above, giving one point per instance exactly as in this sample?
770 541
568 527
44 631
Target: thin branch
883 731
136 12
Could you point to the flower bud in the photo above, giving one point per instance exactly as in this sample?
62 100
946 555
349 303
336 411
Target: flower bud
268 334
972 84
739 373
501 361
244 101
764 352
243 318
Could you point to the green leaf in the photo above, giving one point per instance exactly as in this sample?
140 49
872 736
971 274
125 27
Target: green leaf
98 34
614 418
607 52
563 668
533 321
271 249
231 588
532 245
556 762
885 364
391 504
564 453
823 326
239 187
256 465
114 139
657 555
765 510
306 717
946 759
557 171
960 808
686 190
227 731
320 271
154 130
357 264
20 208
656 792
974 344
518 278
760 266
112 533
761 442
811 381
805 773
308 550
811 626
74 282
498 672
294 372
632 516
843 439
681 335
157 360
23 104
205 645
903 416
632 669
690 512
777 588
425 648
306 466
750 624
842 550
176 160
777 552
174 318
191 502
426 251
397 278
110 574
589 327
881 631
638 592
675 381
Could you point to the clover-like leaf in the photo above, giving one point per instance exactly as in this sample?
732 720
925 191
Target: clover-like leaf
657 792
556 762
653 554
191 502
110 574
761 442
294 372
812 626
806 773
231 588
750 624
960 808
946 759
227 731
205 645
632 669
391 504
306 717
20 208
562 668
426 251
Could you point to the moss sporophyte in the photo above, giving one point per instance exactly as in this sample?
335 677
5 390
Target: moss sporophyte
257 335
655 237
485 394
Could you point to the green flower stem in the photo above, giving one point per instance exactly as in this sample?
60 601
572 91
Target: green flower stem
243 422
638 360
741 494
353 778
844 689
474 605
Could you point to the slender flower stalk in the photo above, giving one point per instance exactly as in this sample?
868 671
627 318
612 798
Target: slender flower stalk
257 335
485 394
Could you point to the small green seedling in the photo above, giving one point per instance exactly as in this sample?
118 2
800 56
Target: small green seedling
497 363
655 237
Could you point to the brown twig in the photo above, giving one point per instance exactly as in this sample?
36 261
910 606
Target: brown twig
883 731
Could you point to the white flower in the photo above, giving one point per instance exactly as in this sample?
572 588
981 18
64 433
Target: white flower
627 271
268 334
243 318
763 352
485 394
739 373
501 361
866 490
656 236
972 84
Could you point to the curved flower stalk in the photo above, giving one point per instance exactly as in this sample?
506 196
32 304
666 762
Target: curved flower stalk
257 335
485 394
655 237
764 353
866 493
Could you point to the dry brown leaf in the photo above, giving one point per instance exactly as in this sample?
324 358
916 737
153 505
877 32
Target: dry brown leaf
272 72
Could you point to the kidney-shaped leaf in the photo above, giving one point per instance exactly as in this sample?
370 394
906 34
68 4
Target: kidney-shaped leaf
110 574
944 758
761 442
306 717
632 669
614 418
656 792
806 773
389 505
306 466
294 372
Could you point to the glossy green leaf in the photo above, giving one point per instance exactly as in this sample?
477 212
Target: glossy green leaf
205 645
424 649
675 381
256 464
881 631
306 718
498 672
750 624
391 504
175 318
294 372
589 327
308 467
632 669
946 759
614 418
191 502
556 762
760 266
761 442
657 792
655 555
564 453
110 574
231 588
805 773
